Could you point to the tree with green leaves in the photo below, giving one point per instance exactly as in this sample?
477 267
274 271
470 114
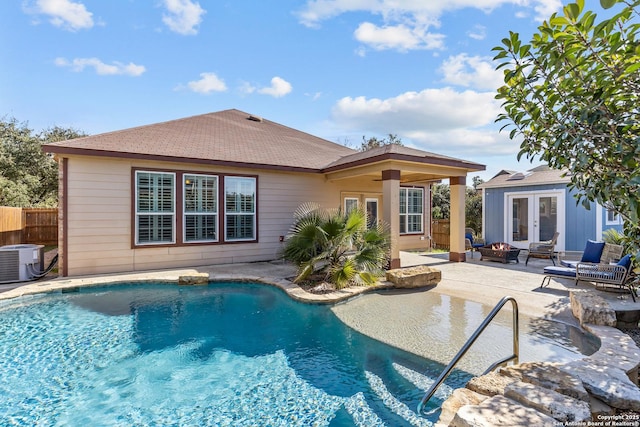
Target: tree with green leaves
373 142
440 201
337 246
441 204
572 96
28 176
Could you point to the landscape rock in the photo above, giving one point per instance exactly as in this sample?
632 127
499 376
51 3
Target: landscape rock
548 375
562 408
459 398
599 408
490 384
589 307
617 349
500 411
609 384
414 277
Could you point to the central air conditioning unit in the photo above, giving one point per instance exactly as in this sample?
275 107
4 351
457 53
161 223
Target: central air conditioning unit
19 263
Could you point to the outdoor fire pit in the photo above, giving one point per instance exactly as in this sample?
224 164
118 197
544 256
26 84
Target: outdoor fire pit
502 252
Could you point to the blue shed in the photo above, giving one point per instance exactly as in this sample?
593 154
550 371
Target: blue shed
523 207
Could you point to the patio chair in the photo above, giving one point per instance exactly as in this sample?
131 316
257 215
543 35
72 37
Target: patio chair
543 249
594 253
607 276
471 244
604 276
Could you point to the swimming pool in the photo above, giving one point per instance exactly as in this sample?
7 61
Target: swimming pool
226 354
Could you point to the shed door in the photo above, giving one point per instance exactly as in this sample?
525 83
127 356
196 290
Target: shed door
534 217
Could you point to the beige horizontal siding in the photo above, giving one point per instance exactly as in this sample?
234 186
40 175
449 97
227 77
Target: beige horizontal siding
99 215
100 218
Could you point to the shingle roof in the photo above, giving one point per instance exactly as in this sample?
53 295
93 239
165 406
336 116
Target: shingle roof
233 137
228 136
537 176
400 152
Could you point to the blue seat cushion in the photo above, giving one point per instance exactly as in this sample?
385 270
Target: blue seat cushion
592 252
625 262
568 263
556 270
469 236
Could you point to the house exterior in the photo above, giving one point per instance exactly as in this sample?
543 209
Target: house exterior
222 188
523 207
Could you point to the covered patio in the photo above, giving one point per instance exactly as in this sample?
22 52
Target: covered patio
400 167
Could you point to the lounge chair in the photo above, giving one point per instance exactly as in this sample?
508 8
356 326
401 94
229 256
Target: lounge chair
471 244
594 252
604 276
546 250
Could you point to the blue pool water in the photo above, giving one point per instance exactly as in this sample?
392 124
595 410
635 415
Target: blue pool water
226 354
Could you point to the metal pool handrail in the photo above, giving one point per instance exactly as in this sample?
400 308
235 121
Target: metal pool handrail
469 343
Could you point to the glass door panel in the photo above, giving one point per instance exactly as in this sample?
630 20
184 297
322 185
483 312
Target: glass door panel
372 212
520 219
547 219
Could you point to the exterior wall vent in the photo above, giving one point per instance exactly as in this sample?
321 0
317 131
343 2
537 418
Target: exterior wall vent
255 118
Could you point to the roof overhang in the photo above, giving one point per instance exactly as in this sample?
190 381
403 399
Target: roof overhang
410 170
67 151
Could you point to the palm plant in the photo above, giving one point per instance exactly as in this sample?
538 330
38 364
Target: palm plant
613 236
336 245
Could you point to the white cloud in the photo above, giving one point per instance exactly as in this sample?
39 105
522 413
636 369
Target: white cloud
209 82
117 68
440 120
279 88
545 8
183 16
72 16
247 88
316 11
405 23
479 32
471 71
465 142
314 96
400 37
432 109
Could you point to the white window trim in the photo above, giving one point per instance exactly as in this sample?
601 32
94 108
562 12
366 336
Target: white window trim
138 214
255 203
561 212
407 214
616 221
185 213
350 198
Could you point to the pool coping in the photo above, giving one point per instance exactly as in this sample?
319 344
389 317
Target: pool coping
295 292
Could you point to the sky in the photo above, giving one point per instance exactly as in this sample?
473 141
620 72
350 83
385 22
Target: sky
338 69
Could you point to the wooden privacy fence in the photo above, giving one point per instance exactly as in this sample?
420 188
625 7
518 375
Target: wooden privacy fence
28 225
440 230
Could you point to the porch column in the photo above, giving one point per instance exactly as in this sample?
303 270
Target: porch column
458 185
391 211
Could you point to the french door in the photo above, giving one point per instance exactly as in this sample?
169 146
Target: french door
534 217
372 212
